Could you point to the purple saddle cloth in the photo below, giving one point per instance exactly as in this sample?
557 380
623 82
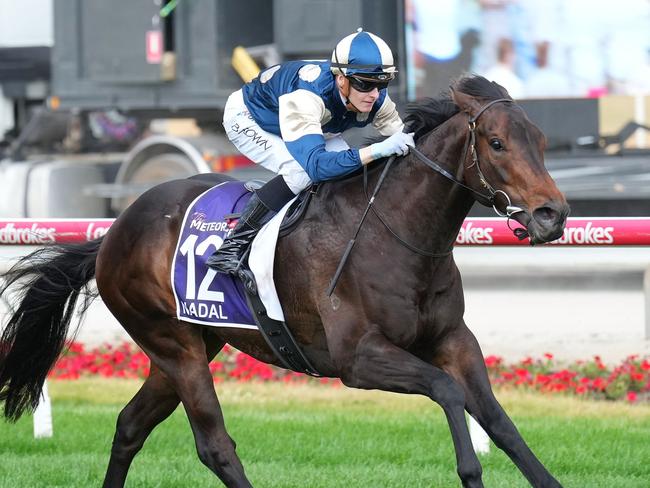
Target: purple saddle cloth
202 295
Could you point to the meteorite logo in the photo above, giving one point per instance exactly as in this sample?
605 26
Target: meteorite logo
10 234
587 234
469 234
197 218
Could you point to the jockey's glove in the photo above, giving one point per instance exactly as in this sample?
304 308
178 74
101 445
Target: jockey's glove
397 144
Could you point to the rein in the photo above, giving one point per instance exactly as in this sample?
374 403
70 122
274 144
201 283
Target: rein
348 249
381 218
489 197
471 143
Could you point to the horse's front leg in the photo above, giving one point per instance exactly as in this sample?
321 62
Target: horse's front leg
461 356
376 363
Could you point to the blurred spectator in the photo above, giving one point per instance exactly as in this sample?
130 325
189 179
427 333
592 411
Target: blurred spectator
545 81
585 35
536 48
496 26
503 71
445 38
547 75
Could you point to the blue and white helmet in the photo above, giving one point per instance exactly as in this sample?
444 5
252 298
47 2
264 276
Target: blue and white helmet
365 54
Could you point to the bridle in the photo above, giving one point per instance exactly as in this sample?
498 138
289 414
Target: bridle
489 197
470 145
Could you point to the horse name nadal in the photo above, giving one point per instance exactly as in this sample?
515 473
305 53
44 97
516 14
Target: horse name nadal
203 310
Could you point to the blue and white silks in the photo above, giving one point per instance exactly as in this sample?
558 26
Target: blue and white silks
300 102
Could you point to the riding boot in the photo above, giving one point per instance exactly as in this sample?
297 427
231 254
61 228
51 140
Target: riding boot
229 256
263 205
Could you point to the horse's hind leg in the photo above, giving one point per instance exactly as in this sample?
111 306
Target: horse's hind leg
153 403
216 449
179 350
463 360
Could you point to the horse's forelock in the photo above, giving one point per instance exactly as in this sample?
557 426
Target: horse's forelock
479 87
425 115
428 113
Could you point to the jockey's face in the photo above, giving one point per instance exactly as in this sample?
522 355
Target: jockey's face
362 101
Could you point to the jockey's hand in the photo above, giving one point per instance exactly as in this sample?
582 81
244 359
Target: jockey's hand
397 144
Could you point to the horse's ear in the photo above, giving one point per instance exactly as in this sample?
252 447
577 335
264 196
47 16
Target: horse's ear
465 102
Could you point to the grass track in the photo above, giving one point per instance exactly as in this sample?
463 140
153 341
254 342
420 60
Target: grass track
306 436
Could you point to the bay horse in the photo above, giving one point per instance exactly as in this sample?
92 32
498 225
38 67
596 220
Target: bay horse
394 321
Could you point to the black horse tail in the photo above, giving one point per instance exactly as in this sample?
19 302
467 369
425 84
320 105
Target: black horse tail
48 283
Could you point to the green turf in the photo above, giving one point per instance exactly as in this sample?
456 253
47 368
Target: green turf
298 436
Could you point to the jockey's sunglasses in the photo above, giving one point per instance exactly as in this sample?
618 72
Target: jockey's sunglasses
366 85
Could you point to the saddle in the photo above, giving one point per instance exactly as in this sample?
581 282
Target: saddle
296 211
294 214
275 332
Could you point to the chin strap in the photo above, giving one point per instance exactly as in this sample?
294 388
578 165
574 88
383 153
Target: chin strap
350 106
345 92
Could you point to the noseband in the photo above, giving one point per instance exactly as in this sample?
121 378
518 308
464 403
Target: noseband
491 196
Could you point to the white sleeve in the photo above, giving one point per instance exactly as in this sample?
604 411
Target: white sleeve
387 121
300 113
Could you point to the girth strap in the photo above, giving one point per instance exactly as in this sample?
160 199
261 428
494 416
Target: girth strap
279 338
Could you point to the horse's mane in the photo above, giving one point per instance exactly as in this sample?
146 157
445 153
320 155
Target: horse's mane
428 113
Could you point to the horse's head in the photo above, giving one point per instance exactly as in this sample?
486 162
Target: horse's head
505 159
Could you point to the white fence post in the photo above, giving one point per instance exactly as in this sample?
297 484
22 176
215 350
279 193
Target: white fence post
480 439
646 293
43 415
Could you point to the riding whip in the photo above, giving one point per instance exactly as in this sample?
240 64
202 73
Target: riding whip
348 249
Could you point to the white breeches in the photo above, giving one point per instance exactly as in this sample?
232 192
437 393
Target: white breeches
265 148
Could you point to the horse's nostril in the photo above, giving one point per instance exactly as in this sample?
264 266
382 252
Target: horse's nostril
546 215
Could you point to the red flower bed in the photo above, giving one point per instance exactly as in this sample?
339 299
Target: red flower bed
128 361
629 380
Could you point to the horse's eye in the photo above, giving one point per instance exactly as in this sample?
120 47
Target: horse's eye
496 144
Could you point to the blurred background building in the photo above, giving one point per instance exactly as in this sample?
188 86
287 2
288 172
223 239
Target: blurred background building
101 100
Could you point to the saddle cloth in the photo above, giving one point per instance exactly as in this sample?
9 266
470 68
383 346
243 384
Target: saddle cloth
204 296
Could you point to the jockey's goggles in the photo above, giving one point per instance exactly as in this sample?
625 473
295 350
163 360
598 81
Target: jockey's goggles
367 84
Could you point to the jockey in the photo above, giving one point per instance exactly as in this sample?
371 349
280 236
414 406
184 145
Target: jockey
289 120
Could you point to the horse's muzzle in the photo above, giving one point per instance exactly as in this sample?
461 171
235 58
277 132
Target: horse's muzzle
546 223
